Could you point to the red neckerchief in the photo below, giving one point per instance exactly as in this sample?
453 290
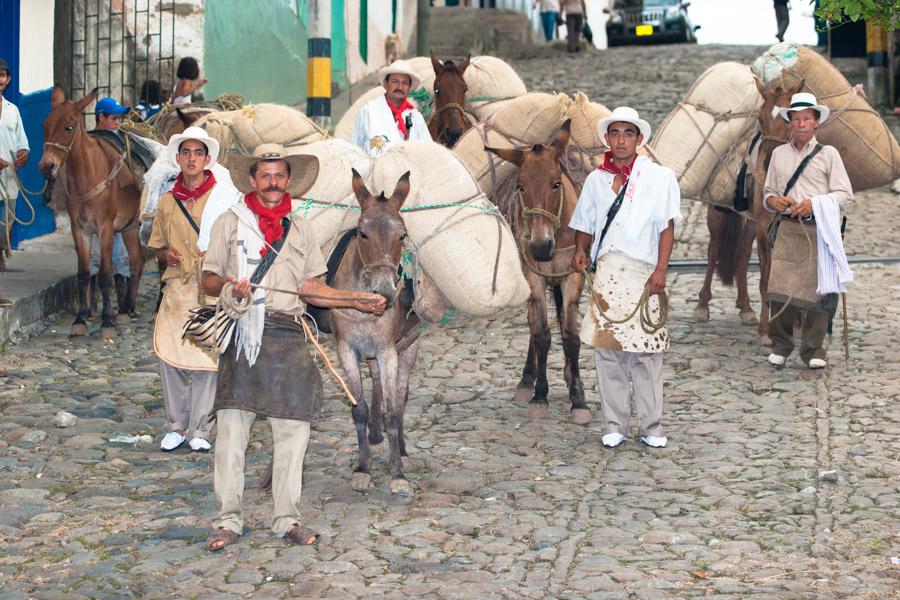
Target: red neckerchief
398 114
269 218
610 167
186 195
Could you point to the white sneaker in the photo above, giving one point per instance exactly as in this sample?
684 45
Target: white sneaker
199 445
655 442
817 363
171 441
777 360
611 440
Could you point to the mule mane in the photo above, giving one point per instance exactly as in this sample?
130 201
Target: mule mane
449 65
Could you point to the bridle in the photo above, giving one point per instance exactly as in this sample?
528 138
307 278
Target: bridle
385 261
555 219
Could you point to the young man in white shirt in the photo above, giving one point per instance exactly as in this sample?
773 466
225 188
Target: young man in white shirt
625 218
13 155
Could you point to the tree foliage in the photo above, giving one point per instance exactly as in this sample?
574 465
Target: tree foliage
885 13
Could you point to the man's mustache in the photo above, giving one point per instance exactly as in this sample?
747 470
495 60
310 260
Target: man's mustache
274 188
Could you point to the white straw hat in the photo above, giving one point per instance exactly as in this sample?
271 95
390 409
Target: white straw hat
626 114
400 67
198 134
802 101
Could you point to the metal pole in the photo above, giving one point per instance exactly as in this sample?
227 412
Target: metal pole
877 52
423 14
318 66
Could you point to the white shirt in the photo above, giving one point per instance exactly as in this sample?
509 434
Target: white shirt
548 6
12 139
651 200
375 129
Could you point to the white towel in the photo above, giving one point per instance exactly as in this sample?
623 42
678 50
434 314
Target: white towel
250 241
832 267
223 196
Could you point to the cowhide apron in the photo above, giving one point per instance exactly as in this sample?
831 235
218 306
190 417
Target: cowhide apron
619 283
179 297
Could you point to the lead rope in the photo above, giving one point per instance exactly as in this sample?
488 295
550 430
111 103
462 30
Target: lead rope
643 306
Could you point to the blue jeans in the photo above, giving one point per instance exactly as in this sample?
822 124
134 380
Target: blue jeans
548 20
121 266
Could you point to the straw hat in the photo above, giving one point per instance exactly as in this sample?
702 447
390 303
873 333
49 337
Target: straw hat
304 168
626 114
400 67
802 101
194 133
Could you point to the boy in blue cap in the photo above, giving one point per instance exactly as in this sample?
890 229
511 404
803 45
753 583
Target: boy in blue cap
109 113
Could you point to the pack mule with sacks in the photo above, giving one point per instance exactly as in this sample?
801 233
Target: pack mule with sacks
491 81
707 135
869 150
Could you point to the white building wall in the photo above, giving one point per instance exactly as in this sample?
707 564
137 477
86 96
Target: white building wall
35 46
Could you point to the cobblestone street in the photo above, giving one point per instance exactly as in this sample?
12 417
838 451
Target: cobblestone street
775 484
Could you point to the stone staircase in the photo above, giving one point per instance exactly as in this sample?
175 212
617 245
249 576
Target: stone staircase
458 31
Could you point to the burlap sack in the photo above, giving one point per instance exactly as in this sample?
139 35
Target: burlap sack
243 130
586 147
867 147
705 137
529 119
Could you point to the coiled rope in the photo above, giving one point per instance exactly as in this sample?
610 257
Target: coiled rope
648 324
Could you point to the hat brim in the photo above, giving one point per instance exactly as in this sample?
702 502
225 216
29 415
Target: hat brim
304 171
824 112
415 80
212 147
643 126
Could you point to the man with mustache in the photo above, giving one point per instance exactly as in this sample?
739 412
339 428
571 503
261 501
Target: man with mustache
392 118
806 185
180 235
267 369
626 217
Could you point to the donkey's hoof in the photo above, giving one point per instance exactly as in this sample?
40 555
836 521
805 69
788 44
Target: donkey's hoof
375 436
107 332
765 340
581 416
122 319
537 410
79 329
400 487
748 317
701 314
523 394
360 482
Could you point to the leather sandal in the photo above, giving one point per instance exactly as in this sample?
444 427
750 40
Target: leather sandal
220 538
302 536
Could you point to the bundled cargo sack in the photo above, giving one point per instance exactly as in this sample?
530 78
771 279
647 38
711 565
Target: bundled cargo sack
586 145
868 149
705 138
243 130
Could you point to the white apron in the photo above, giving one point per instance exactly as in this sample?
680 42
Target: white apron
179 297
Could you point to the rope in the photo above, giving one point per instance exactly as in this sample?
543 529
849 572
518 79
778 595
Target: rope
9 203
643 307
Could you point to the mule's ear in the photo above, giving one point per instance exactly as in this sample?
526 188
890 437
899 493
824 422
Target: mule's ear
763 90
359 188
516 157
562 137
436 63
58 96
401 190
182 117
88 98
464 64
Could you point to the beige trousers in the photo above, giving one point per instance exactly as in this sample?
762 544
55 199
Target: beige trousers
188 396
290 439
643 370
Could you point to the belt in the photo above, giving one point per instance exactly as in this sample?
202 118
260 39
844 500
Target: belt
810 220
281 316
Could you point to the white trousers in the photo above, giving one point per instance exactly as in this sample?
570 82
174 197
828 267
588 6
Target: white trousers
643 371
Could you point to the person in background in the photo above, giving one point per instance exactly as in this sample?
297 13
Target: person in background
576 13
13 156
151 99
783 18
109 116
549 10
188 81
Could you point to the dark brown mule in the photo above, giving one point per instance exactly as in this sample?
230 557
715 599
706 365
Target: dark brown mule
388 343
775 132
728 254
102 198
539 214
449 120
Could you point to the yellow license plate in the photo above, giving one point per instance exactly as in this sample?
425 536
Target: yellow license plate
643 30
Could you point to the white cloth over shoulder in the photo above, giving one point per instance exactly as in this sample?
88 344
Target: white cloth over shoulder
651 200
375 129
223 196
250 242
12 139
832 268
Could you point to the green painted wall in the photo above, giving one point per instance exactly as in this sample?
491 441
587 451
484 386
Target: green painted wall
257 49
338 46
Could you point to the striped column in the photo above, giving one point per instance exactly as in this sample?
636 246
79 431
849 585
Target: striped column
318 69
877 61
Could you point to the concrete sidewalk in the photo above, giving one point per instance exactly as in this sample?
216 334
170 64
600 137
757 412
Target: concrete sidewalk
40 282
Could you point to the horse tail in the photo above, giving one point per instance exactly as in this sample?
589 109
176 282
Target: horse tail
265 482
726 261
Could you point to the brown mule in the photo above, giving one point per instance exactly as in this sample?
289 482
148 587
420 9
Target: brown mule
449 119
539 214
102 198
